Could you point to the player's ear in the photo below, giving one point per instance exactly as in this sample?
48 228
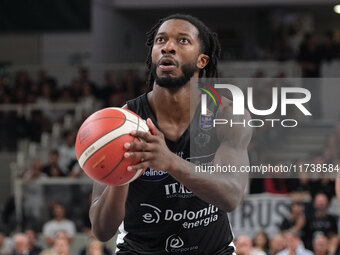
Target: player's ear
202 61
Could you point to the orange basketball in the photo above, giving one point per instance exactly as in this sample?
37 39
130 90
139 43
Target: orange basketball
100 145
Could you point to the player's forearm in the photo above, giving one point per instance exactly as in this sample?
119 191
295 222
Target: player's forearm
107 213
225 193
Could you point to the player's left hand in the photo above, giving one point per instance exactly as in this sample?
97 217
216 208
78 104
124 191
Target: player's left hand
151 152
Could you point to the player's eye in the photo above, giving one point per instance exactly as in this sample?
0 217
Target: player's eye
159 40
184 41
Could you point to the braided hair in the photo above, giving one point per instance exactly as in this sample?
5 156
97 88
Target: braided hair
209 45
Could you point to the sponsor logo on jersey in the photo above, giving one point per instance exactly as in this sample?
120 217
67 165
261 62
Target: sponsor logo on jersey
177 190
175 243
152 215
202 139
189 219
153 175
207 120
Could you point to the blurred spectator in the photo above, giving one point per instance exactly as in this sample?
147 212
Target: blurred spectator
14 130
66 95
87 99
6 245
276 183
61 246
284 51
309 58
84 77
8 216
34 127
337 189
296 220
22 85
324 246
34 172
333 245
130 82
320 222
48 96
117 99
332 147
34 249
323 185
94 247
300 186
112 87
296 33
67 153
57 224
294 245
277 244
21 245
320 245
320 183
243 245
52 169
261 243
75 89
33 196
330 48
5 93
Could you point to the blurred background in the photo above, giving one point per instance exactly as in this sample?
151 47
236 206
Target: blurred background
62 60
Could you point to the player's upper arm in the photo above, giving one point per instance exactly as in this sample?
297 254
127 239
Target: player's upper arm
236 133
234 140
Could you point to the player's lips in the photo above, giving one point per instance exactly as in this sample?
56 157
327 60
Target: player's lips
167 64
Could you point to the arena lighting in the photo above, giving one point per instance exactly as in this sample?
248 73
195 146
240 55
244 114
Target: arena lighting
337 8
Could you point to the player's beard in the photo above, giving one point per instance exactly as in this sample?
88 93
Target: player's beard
188 71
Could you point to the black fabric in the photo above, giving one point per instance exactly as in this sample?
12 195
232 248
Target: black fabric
164 217
327 226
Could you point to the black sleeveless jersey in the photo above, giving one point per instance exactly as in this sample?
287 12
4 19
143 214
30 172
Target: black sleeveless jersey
164 217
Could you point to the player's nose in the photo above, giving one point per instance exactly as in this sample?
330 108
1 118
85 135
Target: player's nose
169 47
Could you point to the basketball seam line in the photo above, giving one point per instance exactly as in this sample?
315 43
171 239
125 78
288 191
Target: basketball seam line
109 141
108 174
103 118
102 135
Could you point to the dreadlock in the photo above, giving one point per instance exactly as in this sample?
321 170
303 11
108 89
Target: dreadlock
209 45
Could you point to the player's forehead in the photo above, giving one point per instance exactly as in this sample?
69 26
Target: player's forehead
178 27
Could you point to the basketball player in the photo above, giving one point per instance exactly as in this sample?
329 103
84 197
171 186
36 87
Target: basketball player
172 208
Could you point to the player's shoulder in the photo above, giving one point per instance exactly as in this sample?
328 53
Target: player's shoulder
135 103
226 110
236 129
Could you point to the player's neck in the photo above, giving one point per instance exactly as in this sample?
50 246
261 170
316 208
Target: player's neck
175 104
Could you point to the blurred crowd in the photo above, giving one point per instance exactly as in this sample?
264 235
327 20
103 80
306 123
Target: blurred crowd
56 237
308 229
303 186
22 90
290 37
